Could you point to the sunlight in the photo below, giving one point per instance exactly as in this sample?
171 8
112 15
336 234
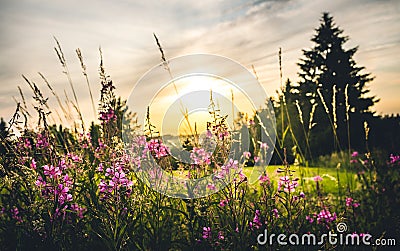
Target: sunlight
192 93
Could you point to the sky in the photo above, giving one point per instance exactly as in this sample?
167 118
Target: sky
248 32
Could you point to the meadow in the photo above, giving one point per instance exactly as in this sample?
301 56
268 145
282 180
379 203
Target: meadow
80 189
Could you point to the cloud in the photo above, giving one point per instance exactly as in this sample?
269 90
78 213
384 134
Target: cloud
248 32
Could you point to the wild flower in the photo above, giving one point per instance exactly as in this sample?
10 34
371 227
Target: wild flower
211 186
264 145
79 210
325 216
206 233
100 167
157 148
302 195
264 179
226 169
200 156
310 219
246 155
354 154
62 193
256 223
221 235
209 134
394 159
33 164
41 141
223 203
15 214
349 202
287 184
51 171
317 178
275 212
107 116
40 182
74 157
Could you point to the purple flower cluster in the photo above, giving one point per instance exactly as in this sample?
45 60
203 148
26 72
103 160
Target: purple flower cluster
256 223
287 184
325 216
223 203
56 185
41 141
200 156
349 202
15 214
394 159
206 233
79 210
354 156
115 180
264 179
226 170
108 115
157 148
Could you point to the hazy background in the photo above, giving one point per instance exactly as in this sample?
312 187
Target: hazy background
249 32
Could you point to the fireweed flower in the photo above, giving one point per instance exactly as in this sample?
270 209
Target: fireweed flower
275 211
221 235
354 154
246 155
209 134
211 186
33 164
325 216
223 135
108 115
74 157
310 219
264 179
15 214
225 169
62 193
287 184
41 141
206 233
100 168
223 203
51 171
157 148
317 178
394 159
79 210
349 202
200 156
264 145
256 223
40 182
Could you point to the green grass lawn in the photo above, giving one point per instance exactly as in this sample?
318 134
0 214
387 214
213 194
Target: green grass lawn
330 176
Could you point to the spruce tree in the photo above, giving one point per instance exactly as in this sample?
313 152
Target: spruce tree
327 70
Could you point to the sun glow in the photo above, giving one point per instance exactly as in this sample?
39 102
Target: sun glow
191 95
